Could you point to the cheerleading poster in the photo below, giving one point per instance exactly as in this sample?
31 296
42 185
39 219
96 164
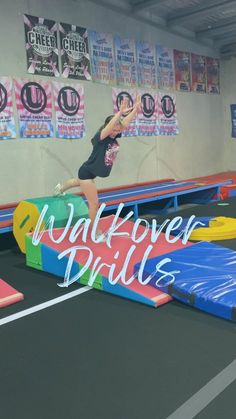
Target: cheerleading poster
167 116
41 46
34 107
74 52
102 57
118 96
147 117
233 120
7 122
165 68
182 71
125 57
69 109
213 75
198 79
146 65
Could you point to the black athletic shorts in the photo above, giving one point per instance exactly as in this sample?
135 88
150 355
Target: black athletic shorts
85 174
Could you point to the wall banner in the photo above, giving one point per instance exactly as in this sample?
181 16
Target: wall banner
125 56
147 118
165 68
7 122
198 79
146 65
213 75
69 109
41 46
102 57
34 106
74 52
233 120
118 96
182 70
167 116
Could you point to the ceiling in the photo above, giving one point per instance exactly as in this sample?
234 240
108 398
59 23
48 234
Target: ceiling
209 22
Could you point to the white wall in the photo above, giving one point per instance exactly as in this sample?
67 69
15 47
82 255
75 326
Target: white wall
32 167
228 87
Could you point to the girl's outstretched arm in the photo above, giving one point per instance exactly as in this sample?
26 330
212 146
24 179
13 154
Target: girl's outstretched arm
107 130
127 119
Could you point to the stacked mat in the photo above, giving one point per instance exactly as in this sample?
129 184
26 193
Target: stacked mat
111 260
27 213
204 273
206 279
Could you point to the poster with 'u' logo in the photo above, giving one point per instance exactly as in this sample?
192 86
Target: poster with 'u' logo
34 107
167 116
147 118
118 95
156 116
69 110
7 122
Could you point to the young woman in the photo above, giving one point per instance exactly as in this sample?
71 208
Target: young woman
100 162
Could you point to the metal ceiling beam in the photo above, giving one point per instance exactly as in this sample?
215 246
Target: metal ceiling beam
229 35
137 6
128 12
222 21
228 51
216 31
225 41
228 48
229 54
199 12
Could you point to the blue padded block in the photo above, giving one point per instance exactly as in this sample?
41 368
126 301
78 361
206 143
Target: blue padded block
124 292
51 264
207 277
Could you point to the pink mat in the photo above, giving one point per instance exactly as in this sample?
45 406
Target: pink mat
8 294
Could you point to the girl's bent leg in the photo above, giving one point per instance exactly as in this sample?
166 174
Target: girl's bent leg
71 183
89 189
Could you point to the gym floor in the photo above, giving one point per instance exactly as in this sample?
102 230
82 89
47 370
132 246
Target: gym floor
96 355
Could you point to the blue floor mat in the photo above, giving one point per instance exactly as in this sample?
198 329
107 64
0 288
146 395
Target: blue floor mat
206 278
